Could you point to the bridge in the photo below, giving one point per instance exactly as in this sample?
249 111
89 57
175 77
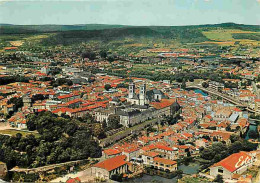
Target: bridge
223 96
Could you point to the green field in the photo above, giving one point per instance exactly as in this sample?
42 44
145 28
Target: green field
13 132
231 35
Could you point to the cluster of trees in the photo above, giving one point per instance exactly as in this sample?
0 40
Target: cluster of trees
231 85
122 85
253 134
108 87
255 116
182 34
205 84
220 150
113 122
180 77
250 36
17 101
60 140
61 81
12 79
89 54
55 70
39 97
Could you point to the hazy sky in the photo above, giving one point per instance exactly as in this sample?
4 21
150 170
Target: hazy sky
130 12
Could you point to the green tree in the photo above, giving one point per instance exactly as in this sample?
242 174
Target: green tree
205 84
219 179
253 134
113 121
234 138
103 54
107 87
183 84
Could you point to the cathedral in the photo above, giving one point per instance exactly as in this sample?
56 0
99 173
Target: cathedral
144 97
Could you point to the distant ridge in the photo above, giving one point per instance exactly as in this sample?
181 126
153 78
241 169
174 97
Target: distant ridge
9 28
31 29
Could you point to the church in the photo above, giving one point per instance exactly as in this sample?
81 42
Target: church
144 97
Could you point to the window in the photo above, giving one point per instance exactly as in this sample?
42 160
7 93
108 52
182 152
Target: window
220 170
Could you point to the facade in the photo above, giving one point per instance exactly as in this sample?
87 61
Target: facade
165 164
105 169
141 98
148 157
27 101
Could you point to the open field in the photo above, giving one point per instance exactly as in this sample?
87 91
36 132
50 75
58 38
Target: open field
16 43
12 132
226 34
18 40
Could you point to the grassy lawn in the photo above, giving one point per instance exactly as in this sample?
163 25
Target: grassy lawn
14 132
190 179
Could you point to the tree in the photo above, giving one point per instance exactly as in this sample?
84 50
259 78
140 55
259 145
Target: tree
103 54
88 54
60 140
17 101
37 97
183 84
113 121
215 139
205 85
219 179
98 131
235 147
191 79
111 59
104 124
252 134
228 128
107 86
234 138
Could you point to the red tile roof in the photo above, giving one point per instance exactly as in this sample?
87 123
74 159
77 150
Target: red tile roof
151 154
111 151
164 161
234 161
112 163
164 148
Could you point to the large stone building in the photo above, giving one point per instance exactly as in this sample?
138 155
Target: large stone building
140 107
107 168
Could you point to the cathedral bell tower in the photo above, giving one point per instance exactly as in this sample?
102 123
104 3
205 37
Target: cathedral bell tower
142 94
131 90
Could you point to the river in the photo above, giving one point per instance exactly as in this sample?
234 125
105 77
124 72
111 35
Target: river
200 92
251 127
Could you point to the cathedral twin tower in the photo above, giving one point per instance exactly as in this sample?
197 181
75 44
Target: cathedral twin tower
140 99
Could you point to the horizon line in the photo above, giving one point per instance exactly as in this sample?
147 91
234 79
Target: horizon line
10 24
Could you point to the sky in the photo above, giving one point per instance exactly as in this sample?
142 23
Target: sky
129 12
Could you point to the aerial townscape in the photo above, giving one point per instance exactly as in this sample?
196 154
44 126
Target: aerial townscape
129 103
